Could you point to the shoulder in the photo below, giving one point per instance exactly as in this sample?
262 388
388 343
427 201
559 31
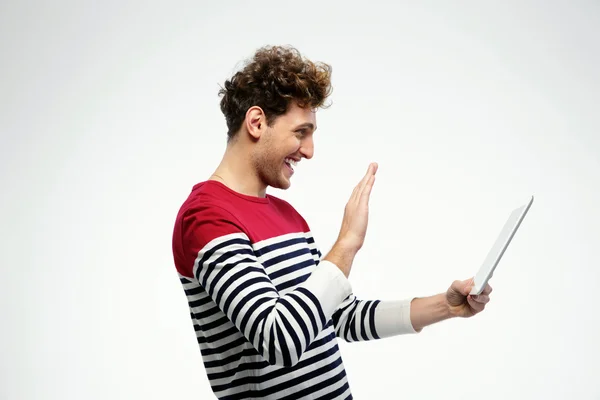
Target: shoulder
204 221
206 215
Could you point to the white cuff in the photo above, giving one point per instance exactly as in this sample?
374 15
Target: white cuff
329 284
393 318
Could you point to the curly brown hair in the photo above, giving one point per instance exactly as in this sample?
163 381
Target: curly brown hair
273 78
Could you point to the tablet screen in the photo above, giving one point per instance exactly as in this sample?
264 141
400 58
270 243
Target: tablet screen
495 254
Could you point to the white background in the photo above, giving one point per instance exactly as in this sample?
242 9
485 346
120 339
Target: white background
109 114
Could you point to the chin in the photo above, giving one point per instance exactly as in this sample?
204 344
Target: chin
281 183
284 185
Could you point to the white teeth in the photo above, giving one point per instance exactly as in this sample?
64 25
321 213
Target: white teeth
291 161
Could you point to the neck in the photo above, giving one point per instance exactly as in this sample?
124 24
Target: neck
237 172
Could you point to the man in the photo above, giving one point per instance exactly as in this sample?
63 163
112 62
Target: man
267 308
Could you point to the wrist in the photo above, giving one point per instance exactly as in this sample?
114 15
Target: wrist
439 307
345 246
342 255
426 311
443 306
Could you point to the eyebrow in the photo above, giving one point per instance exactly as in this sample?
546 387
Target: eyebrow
306 125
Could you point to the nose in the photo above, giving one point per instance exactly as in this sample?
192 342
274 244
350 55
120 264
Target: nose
307 148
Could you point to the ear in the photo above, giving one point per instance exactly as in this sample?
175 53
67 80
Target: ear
256 121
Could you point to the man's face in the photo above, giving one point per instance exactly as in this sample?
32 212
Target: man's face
284 144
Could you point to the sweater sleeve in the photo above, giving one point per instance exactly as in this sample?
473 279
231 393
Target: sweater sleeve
279 327
361 320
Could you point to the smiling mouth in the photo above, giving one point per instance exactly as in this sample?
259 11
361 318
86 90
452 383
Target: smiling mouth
290 163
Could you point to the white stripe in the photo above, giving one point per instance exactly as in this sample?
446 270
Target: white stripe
262 244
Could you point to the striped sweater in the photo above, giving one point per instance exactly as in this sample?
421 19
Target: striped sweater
266 309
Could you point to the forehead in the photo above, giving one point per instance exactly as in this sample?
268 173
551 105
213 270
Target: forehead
296 116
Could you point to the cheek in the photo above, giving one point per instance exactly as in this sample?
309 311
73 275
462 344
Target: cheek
293 146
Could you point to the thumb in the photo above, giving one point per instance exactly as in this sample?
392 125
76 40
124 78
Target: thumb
463 287
467 286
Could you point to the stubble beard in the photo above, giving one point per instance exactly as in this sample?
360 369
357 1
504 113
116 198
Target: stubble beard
268 168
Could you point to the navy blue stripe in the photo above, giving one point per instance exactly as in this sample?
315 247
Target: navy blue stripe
261 342
201 302
208 254
233 358
272 359
286 256
287 361
245 319
242 271
207 313
352 322
220 260
194 291
298 319
215 324
247 283
338 313
372 319
335 393
293 334
349 321
307 310
260 319
254 294
321 342
279 245
226 347
353 333
321 385
292 282
315 301
292 268
254 366
218 335
363 316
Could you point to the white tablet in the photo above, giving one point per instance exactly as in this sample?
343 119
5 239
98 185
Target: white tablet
493 258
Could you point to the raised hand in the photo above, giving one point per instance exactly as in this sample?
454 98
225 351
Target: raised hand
354 224
356 213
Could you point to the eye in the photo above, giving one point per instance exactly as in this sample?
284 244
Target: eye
301 132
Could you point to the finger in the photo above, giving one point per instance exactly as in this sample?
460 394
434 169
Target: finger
357 194
366 193
477 307
358 188
482 299
375 168
353 195
465 287
371 170
487 289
